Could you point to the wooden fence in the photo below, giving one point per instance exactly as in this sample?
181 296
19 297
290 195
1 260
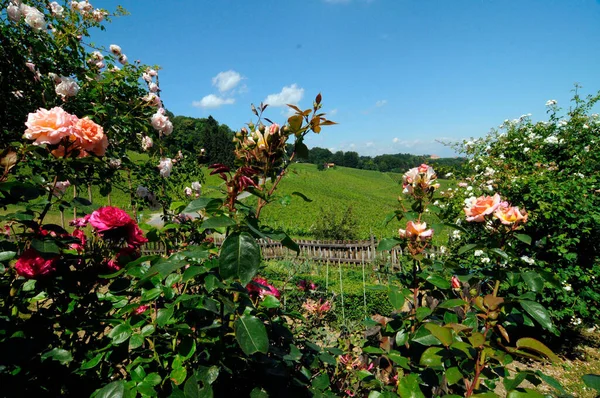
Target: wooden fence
350 252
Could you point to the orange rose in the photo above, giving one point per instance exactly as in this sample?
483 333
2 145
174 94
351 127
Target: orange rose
49 126
510 215
91 136
416 231
478 208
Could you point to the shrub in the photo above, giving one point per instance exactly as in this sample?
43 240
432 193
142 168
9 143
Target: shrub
334 226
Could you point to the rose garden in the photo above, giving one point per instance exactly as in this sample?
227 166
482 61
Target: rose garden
84 312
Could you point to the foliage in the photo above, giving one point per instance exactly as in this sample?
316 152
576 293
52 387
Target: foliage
551 169
333 226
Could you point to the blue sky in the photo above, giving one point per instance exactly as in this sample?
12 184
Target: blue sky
397 75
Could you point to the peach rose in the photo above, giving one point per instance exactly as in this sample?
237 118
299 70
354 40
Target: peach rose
49 126
510 215
478 208
416 231
91 136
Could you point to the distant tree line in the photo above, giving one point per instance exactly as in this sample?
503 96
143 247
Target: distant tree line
191 135
397 163
194 134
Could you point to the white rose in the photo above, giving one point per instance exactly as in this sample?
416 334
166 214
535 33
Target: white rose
115 49
67 87
187 191
57 9
14 12
147 143
153 87
196 186
165 166
123 59
33 17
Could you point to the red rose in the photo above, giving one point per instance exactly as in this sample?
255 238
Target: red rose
32 265
135 236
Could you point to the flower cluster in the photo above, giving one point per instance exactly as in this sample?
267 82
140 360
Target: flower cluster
196 189
33 17
476 210
419 181
264 145
31 264
260 287
69 133
161 122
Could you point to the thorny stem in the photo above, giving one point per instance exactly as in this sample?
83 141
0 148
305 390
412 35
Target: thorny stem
49 204
261 202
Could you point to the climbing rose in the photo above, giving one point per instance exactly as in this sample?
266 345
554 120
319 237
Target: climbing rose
165 166
114 223
67 87
32 265
91 136
49 126
478 208
510 214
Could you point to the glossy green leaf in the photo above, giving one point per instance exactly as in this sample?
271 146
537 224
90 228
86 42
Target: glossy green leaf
321 382
408 387
533 280
396 297
116 389
203 203
4 256
453 375
540 314
467 248
423 312
388 244
424 337
432 357
135 341
217 222
92 363
251 334
592 381
120 333
270 302
537 346
163 316
438 281
477 339
240 257
452 303
58 354
441 333
45 246
524 393
524 238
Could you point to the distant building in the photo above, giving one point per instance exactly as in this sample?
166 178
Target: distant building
328 165
434 157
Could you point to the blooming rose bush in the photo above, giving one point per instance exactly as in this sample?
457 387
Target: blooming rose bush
549 168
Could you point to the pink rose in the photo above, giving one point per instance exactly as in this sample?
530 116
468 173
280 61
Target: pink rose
90 136
455 282
49 126
109 218
478 208
135 236
141 309
261 288
79 234
416 231
32 265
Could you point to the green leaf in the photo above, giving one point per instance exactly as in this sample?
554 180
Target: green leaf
388 244
539 313
178 375
191 388
533 280
397 358
431 357
92 363
151 294
4 256
424 337
217 222
321 382
524 393
452 303
270 302
58 354
302 196
148 330
467 248
524 238
45 246
477 339
441 333
135 341
163 316
438 281
511 384
258 392
166 266
592 381
203 203
301 149
116 389
251 334
408 387
537 346
372 350
453 375
552 382
120 333
396 297
240 257
423 312
401 338
500 252
488 394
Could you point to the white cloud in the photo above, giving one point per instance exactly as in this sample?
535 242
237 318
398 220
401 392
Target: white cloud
395 140
288 95
368 144
227 80
212 101
333 112
380 103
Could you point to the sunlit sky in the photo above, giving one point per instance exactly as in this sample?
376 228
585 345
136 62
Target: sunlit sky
397 75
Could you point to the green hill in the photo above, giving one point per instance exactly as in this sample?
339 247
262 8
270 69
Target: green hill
371 194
